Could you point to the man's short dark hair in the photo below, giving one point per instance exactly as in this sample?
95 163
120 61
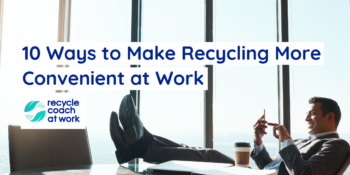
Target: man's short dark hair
328 105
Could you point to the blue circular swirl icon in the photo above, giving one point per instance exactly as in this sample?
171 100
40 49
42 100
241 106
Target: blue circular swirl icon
35 111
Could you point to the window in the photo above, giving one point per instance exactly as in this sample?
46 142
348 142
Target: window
328 22
180 21
241 93
23 21
176 115
102 21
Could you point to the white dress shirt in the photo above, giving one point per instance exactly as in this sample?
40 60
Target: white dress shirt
275 164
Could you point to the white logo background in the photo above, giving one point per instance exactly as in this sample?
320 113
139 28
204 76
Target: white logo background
80 110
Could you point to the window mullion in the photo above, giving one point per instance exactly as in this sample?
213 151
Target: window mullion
208 94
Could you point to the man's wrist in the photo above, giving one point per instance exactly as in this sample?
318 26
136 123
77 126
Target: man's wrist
256 143
287 142
258 149
286 138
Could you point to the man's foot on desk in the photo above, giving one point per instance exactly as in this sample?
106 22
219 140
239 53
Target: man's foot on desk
123 154
133 127
135 134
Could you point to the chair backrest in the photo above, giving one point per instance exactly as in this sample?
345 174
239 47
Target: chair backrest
41 148
344 167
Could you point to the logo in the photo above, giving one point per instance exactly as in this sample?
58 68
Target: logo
35 111
53 111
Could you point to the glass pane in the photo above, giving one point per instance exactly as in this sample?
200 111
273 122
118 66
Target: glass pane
172 21
310 23
31 21
163 112
245 21
102 21
241 93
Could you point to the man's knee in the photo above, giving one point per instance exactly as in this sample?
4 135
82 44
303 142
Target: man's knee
212 153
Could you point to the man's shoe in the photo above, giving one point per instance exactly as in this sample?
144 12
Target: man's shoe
133 127
123 154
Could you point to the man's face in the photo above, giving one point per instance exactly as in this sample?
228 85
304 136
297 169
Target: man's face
316 122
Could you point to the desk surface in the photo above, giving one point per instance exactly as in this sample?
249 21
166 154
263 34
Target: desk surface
98 169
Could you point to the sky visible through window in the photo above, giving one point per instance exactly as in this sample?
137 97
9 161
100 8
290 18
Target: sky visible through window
173 109
241 93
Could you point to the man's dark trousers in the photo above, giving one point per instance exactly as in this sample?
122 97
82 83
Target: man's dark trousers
163 150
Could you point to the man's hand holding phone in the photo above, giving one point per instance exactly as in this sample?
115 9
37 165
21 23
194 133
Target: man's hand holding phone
259 130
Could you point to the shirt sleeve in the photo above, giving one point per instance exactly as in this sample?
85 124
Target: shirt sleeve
287 143
258 149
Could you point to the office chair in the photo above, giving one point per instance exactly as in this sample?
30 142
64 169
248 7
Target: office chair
344 167
41 148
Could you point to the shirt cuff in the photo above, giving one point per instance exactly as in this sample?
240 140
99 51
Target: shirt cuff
259 148
287 143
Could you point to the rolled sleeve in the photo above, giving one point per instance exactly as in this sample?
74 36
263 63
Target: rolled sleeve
287 143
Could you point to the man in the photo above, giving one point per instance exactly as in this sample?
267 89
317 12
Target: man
322 153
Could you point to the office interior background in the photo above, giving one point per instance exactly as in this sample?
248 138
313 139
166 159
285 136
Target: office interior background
240 93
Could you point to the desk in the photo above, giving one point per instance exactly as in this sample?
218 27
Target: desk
98 169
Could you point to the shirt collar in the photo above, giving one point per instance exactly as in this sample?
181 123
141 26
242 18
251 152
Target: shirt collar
321 134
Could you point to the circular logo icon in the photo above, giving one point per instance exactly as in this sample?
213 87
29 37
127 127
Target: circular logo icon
35 111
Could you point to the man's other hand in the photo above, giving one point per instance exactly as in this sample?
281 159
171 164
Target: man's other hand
259 130
282 132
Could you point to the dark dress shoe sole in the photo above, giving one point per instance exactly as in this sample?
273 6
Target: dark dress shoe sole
133 127
123 154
